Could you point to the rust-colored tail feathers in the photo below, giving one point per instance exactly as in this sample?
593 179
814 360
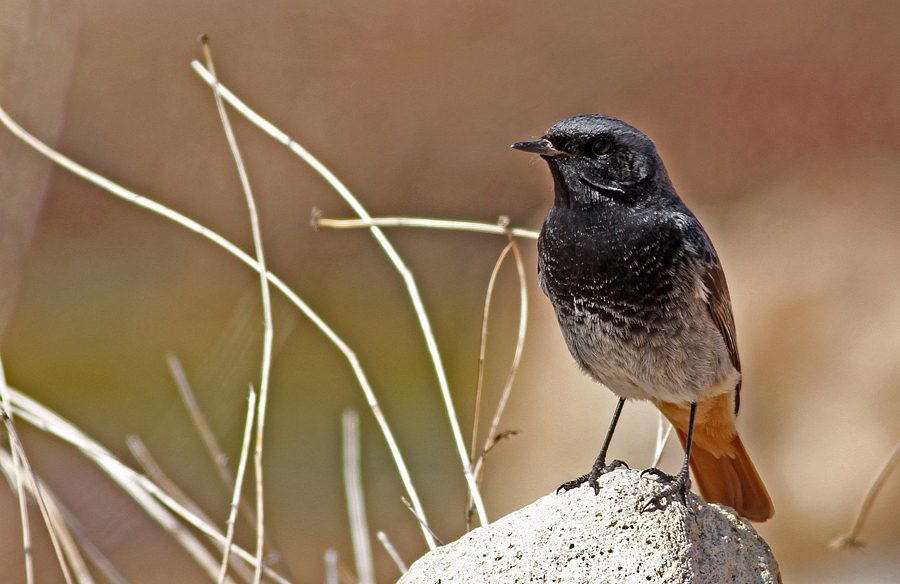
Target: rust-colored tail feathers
722 469
730 480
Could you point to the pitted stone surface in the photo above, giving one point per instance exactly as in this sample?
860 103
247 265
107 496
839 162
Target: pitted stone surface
576 537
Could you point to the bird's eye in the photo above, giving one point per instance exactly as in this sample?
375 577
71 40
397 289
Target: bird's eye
601 146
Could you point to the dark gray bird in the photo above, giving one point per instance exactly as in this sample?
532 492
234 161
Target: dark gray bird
642 302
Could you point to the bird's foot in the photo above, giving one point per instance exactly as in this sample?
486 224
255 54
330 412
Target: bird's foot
676 486
598 470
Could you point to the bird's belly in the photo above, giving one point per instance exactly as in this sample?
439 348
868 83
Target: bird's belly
678 361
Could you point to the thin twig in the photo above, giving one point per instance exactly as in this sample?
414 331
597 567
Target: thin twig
59 520
220 459
237 252
517 357
18 480
421 520
663 431
93 552
236 496
482 349
392 551
356 505
155 473
266 303
421 222
35 488
155 502
851 539
392 254
206 434
331 566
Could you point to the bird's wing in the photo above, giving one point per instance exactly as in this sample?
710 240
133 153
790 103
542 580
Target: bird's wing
717 298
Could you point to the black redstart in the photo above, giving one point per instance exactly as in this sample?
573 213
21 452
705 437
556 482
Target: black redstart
642 302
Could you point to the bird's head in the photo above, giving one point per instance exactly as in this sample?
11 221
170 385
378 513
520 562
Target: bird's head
596 159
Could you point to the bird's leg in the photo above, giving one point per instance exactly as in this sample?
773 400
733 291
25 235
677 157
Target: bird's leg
600 467
677 485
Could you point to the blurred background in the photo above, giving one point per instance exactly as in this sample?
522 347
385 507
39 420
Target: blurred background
779 123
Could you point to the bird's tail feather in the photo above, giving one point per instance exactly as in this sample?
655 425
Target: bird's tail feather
730 479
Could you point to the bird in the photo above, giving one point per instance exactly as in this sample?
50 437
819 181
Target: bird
643 305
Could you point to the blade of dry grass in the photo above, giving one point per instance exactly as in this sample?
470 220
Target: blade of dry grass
196 227
266 304
155 473
206 434
422 222
851 539
392 551
17 479
482 349
155 502
388 248
34 487
663 431
517 356
356 504
242 466
331 566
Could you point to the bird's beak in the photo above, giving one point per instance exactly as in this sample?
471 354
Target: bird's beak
542 147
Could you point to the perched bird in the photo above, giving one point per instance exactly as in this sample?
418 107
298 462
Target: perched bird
642 302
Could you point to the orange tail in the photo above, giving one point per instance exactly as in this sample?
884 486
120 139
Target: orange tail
730 480
722 469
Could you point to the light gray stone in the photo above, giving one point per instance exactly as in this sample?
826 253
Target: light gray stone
581 538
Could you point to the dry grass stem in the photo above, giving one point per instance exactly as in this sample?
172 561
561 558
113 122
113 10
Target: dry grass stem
517 356
852 539
215 451
421 520
34 487
356 504
90 549
266 304
392 254
155 473
421 222
392 551
236 496
155 502
663 431
483 347
331 566
196 227
17 479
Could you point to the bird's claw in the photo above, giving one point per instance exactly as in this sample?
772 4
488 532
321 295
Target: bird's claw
676 486
598 470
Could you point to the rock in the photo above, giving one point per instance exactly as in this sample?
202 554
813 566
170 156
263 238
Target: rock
579 537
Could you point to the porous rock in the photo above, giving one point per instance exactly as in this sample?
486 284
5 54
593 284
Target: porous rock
578 537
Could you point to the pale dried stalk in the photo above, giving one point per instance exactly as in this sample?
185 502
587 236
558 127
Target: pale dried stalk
852 539
482 349
392 551
59 522
235 499
421 222
206 434
237 252
517 356
7 414
331 566
155 502
356 504
392 254
663 431
266 304
35 489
